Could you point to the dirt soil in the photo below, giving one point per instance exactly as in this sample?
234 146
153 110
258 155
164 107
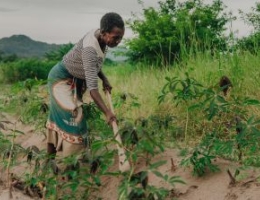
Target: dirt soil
212 186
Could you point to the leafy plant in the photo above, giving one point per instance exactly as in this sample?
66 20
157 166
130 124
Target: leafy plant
177 30
23 69
57 55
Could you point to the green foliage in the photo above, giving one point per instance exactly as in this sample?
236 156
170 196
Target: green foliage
23 69
177 30
182 90
109 62
14 69
29 102
57 55
7 58
253 18
230 131
251 43
201 162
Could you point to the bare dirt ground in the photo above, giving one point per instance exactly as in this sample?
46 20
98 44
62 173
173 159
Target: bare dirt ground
212 186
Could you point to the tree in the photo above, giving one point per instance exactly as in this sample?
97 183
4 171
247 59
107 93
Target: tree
5 58
176 30
252 42
252 18
58 54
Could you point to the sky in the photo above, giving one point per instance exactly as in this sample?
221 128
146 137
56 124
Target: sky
63 21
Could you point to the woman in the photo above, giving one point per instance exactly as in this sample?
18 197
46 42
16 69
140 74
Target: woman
67 81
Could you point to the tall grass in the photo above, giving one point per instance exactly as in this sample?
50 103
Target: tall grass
146 82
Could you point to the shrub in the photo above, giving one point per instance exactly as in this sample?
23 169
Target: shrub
177 30
23 69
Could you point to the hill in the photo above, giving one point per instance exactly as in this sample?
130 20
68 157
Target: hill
23 46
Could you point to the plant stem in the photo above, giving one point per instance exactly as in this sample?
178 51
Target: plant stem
9 182
186 125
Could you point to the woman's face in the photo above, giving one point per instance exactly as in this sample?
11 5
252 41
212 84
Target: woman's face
113 38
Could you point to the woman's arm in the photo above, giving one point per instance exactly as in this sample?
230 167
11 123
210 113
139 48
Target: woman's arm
102 106
91 74
101 75
106 85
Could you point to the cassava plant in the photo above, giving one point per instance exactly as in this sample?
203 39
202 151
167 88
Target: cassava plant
228 129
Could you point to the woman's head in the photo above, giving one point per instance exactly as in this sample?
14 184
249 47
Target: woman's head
112 29
111 20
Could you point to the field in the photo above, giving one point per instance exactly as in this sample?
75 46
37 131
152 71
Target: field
194 141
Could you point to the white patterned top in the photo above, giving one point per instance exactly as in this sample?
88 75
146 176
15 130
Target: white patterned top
85 59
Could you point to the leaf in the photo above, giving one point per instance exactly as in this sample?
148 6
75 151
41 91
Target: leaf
164 89
212 110
97 180
72 185
157 164
250 120
193 107
221 99
168 78
251 102
96 145
159 174
172 87
176 179
161 98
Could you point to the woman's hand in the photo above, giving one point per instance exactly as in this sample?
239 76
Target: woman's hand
107 86
110 117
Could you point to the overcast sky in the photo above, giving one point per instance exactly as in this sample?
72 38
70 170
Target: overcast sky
63 21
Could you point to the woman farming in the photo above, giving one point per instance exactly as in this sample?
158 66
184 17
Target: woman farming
79 70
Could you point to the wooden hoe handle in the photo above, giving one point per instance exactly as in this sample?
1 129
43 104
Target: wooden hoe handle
123 162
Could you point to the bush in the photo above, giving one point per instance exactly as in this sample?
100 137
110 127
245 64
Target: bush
176 30
23 69
250 43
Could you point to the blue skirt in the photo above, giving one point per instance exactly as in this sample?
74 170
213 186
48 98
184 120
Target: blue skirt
67 116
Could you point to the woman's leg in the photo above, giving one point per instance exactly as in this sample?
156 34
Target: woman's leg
51 151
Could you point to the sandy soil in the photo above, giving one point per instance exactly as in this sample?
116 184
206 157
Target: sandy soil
213 186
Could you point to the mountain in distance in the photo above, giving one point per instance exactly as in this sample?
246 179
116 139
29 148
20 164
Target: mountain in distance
23 46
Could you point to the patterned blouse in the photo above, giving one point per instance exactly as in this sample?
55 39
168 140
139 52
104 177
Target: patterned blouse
84 60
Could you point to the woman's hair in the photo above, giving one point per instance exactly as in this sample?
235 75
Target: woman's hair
111 20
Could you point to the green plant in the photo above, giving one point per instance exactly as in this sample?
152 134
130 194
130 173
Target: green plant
10 151
136 186
177 30
57 55
180 90
23 69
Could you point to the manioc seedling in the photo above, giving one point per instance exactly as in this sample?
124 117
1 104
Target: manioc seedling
232 177
9 152
128 133
201 162
33 153
136 179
